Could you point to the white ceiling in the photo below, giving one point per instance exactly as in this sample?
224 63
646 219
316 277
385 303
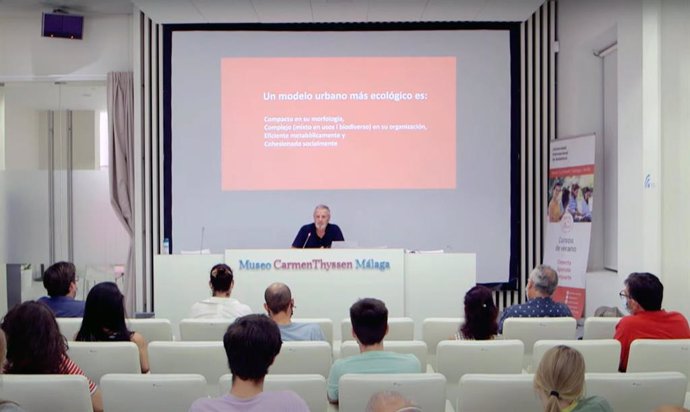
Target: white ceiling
284 11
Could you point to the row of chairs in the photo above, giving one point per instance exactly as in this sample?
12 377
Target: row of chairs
630 392
453 360
434 330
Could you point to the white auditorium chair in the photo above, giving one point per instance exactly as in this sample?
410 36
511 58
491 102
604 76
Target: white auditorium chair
498 392
427 390
455 358
530 330
659 355
637 391
326 325
204 358
151 392
601 355
47 392
203 329
310 387
312 357
69 327
398 329
600 328
152 329
99 358
415 347
434 330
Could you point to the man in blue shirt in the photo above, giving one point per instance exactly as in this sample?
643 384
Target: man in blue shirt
542 283
280 307
60 280
319 234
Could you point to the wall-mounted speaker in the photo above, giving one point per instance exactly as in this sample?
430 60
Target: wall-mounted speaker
66 26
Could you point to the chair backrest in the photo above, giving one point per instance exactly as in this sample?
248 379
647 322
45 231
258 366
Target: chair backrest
98 358
641 391
313 357
398 329
508 392
47 392
435 330
310 387
203 329
152 329
657 355
415 347
600 328
204 358
151 392
427 390
326 325
455 358
530 330
601 355
69 327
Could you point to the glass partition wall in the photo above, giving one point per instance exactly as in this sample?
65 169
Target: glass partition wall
54 190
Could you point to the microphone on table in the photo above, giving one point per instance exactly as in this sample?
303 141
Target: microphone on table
306 240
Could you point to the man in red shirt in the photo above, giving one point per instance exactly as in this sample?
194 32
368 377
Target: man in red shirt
643 294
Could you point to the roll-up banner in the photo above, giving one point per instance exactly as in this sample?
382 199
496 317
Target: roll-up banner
569 220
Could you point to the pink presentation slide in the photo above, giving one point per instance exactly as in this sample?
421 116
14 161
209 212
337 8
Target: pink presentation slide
338 123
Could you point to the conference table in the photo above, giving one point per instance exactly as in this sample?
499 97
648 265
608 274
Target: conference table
324 282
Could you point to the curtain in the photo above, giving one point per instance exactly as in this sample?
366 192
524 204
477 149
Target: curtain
121 173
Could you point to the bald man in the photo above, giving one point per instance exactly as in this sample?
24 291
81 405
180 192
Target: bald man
280 306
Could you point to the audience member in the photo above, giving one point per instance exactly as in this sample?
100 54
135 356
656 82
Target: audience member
251 344
369 326
35 346
104 320
5 405
390 401
280 307
220 305
643 295
480 315
542 283
560 380
60 280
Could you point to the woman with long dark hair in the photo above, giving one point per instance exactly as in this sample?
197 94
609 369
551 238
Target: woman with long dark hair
104 320
480 315
35 346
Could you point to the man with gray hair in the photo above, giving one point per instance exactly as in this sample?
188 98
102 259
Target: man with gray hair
319 234
542 282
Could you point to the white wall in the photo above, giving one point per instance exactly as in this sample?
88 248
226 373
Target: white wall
675 132
106 47
644 32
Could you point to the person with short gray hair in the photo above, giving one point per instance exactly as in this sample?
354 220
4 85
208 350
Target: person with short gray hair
542 283
319 234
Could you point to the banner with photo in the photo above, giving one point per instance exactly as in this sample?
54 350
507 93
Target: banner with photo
569 220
